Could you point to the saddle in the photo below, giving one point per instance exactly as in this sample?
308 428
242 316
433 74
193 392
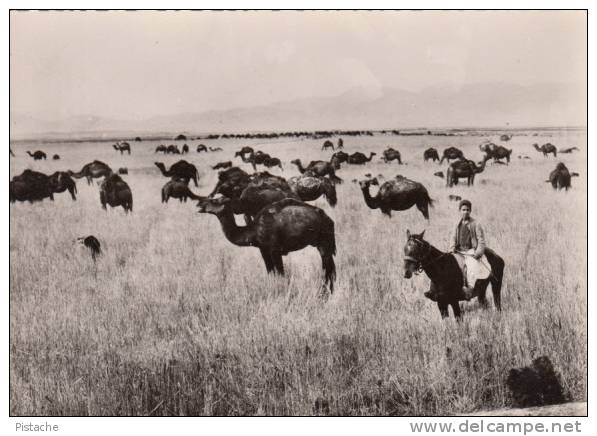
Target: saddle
472 269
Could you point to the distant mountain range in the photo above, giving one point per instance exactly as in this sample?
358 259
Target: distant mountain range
474 105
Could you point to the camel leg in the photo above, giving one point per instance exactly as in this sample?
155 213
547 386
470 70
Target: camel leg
424 208
329 267
278 263
267 259
443 309
456 309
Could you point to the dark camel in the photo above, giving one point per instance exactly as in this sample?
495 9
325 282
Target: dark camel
61 181
231 182
37 155
546 149
181 170
243 151
397 194
430 154
338 158
185 149
172 149
310 188
451 153
272 162
340 144
161 149
93 170
201 147
216 149
569 150
116 192
278 229
318 168
495 152
222 165
463 169
446 277
560 177
177 189
359 158
93 244
30 186
327 144
391 154
122 147
259 158
56 157
123 171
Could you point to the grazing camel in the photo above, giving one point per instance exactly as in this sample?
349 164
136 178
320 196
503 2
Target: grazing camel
560 177
327 144
273 162
37 155
122 147
397 194
93 170
61 181
161 149
93 244
359 158
222 165
309 188
177 189
185 149
430 154
181 169
116 192
463 169
495 152
278 229
451 153
201 147
391 154
338 158
546 149
318 168
172 149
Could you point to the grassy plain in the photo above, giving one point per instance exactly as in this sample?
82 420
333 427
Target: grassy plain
175 320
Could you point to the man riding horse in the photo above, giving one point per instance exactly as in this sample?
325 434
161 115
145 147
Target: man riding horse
468 246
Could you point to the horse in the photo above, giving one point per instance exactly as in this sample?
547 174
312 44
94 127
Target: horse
446 276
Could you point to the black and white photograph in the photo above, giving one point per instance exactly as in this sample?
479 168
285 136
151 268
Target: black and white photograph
298 213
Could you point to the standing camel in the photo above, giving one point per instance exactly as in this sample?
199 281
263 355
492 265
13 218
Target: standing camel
359 158
328 144
181 170
560 177
397 194
430 154
122 147
278 229
546 149
318 168
463 169
38 155
451 153
391 154
93 170
116 192
310 188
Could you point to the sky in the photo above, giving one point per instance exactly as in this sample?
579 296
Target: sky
137 65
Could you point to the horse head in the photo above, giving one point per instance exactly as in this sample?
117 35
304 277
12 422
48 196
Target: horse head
416 251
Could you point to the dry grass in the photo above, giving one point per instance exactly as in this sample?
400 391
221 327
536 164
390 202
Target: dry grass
175 320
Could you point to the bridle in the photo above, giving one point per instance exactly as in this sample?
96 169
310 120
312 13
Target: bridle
419 263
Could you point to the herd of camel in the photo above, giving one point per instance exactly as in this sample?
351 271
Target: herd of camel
278 218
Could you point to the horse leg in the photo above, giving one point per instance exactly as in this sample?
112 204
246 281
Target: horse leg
456 309
443 309
497 274
480 291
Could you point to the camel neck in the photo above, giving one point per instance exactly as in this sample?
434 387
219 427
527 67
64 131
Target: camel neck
371 202
241 236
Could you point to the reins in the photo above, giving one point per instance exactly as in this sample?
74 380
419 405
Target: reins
420 264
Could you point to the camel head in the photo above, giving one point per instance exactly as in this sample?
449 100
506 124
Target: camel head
214 206
416 250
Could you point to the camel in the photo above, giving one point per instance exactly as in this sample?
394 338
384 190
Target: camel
574 175
116 192
243 151
273 162
181 169
451 153
161 149
560 177
37 155
93 170
231 182
430 154
390 154
223 165
397 194
318 168
463 168
185 149
93 244
495 152
340 144
260 158
569 150
216 149
327 144
177 189
201 147
359 158
56 157
30 186
122 147
505 137
546 149
172 149
61 181
123 170
310 188
338 158
278 229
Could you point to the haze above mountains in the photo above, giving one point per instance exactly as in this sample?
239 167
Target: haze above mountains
443 106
